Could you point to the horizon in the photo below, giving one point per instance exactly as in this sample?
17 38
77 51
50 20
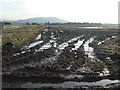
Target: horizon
6 20
72 11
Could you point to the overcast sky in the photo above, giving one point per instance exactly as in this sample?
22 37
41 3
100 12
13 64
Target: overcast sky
103 11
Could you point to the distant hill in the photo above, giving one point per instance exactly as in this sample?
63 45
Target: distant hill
42 20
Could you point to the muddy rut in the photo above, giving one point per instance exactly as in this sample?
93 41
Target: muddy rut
72 58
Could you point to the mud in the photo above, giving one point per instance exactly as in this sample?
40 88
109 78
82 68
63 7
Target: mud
62 58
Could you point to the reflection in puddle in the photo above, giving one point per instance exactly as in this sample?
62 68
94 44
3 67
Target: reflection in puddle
63 45
46 46
107 39
52 35
61 31
114 36
78 44
84 70
99 43
89 50
46 30
74 39
34 44
17 54
38 37
105 72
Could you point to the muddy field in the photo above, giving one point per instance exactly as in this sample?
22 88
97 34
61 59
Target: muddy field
63 58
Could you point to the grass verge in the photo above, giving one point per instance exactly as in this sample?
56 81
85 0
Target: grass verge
21 35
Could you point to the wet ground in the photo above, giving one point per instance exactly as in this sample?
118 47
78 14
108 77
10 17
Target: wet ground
63 58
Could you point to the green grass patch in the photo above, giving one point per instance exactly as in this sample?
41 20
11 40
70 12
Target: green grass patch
21 35
113 45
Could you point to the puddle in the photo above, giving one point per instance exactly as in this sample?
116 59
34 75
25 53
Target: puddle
107 39
61 31
71 84
92 27
74 76
51 43
89 50
74 39
78 44
23 52
114 36
101 42
46 46
46 30
38 37
55 45
28 48
109 60
105 72
17 54
34 44
89 27
84 70
52 35
63 45
68 68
